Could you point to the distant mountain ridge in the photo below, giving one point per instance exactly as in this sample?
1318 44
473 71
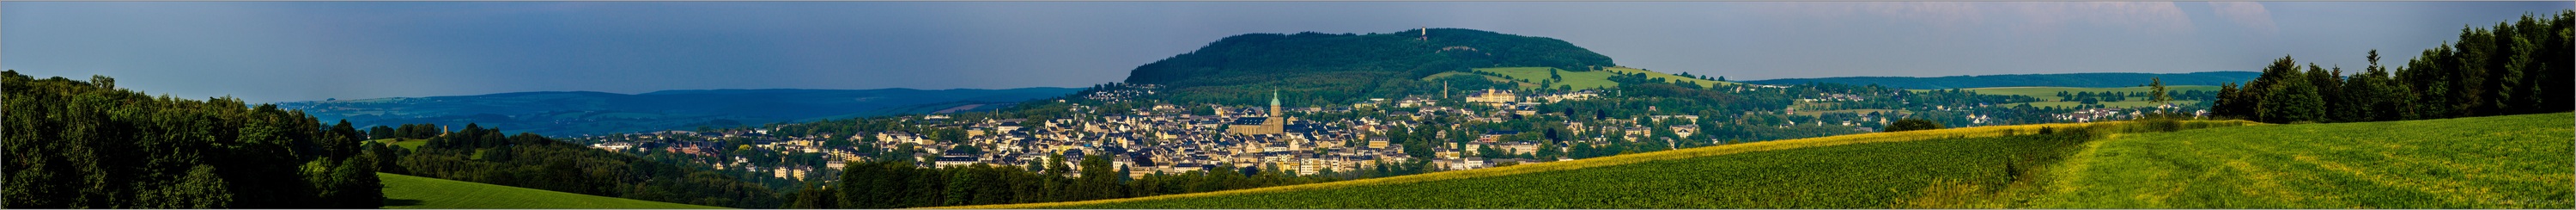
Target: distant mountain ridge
558 113
2031 80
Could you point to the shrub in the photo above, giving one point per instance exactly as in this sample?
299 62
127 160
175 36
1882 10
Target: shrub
1912 124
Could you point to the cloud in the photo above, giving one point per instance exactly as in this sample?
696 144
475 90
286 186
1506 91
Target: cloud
2017 17
2250 15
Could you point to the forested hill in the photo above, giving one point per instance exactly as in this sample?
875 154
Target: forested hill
2030 80
1314 66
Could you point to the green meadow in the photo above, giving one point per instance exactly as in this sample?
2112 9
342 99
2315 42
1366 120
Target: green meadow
2519 161
404 143
412 192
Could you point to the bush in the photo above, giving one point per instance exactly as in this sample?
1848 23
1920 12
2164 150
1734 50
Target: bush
1910 124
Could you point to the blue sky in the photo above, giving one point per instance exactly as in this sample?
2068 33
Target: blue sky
291 51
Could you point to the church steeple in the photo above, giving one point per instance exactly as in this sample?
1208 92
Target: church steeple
1274 102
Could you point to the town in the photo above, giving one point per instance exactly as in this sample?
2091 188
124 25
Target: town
1141 137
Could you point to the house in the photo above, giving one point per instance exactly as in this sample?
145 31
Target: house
1492 96
1520 148
613 146
1377 142
954 160
1683 130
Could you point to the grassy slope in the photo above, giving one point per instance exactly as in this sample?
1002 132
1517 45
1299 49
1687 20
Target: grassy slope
2517 161
411 192
1371 193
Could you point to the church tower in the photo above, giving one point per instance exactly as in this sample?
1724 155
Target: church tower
1274 103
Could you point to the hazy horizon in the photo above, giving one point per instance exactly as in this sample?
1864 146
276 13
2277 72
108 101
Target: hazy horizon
297 51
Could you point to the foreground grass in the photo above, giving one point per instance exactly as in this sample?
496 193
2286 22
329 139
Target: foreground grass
411 192
1712 176
2520 161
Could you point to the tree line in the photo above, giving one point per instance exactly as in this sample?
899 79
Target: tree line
92 145
2509 68
407 131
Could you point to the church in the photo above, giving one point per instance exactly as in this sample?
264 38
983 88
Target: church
1272 125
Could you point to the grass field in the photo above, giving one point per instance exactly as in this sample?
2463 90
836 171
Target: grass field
1677 178
2517 161
411 192
404 143
2050 93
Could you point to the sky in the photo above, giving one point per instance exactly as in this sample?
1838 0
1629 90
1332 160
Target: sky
297 51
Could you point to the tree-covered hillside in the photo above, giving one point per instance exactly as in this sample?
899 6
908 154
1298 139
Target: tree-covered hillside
75 144
1347 66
